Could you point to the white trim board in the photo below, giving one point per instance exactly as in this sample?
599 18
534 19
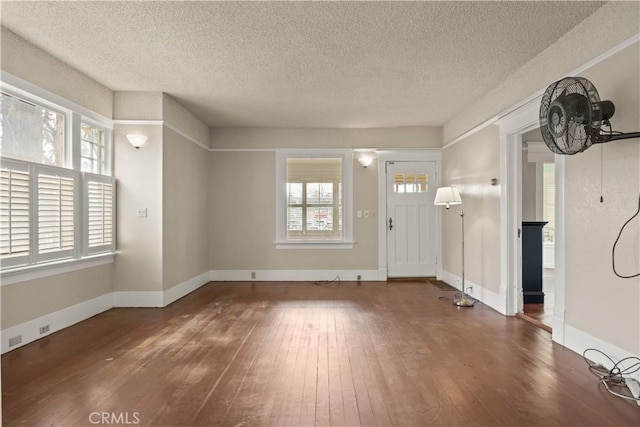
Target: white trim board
578 341
479 292
39 271
57 321
296 275
60 319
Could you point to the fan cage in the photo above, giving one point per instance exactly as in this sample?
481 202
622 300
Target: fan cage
570 115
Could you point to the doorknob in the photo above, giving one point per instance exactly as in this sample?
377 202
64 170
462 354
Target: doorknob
390 224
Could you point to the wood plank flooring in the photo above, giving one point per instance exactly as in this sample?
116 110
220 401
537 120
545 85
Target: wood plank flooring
298 354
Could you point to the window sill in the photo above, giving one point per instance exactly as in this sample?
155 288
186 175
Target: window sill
315 244
38 271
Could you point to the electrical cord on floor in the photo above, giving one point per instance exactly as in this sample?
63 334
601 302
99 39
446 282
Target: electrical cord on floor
457 295
616 376
613 251
328 283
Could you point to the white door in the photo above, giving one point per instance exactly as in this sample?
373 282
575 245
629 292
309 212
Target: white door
411 219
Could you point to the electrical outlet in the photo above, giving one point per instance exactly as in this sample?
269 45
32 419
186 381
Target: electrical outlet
469 289
44 329
15 340
359 277
253 274
141 212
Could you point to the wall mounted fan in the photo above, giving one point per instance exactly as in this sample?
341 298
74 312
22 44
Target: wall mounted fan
572 115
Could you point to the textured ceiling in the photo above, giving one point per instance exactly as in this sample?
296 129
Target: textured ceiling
300 64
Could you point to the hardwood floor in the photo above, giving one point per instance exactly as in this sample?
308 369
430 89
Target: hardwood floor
297 354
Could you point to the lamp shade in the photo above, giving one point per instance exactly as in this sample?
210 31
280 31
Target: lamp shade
447 196
365 160
137 140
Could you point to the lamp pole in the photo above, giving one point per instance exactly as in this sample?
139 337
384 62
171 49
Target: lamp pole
462 301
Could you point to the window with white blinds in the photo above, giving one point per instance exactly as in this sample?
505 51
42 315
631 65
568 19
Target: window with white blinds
42 218
100 212
314 193
56 193
15 213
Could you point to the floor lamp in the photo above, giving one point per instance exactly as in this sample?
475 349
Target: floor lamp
446 196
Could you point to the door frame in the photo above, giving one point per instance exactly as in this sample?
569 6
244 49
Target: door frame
512 126
409 155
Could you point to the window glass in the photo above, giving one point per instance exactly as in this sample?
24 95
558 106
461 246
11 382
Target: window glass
411 183
314 198
92 149
31 132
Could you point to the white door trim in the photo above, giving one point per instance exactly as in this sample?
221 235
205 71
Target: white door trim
512 126
427 154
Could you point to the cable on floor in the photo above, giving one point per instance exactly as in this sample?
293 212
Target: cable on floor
328 283
615 377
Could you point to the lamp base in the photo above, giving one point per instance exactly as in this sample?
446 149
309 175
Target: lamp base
463 301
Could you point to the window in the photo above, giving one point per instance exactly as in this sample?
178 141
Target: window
549 201
315 199
100 212
93 150
15 213
56 198
411 183
31 132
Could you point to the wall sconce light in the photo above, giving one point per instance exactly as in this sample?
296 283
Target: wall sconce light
137 140
365 159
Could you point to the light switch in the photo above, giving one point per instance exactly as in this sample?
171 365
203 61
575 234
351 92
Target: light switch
141 212
359 214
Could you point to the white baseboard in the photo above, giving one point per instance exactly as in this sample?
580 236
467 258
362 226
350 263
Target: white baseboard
159 298
296 275
57 320
138 299
178 291
579 341
486 296
30 330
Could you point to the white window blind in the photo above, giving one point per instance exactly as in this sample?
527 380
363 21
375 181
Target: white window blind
15 213
56 213
99 196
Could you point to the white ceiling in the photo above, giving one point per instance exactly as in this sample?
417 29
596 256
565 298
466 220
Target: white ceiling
300 64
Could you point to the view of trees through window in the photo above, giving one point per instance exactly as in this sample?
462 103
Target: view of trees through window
30 132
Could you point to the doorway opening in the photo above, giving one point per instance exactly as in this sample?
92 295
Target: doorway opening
537 191
513 127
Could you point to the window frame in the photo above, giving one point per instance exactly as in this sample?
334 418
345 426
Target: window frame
281 240
36 265
108 145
